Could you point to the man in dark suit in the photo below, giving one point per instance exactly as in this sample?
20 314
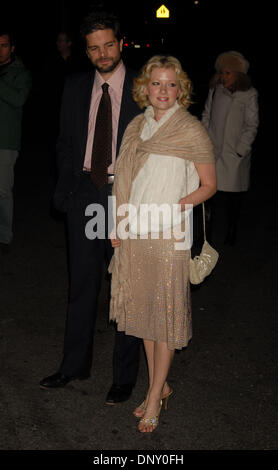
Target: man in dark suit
79 186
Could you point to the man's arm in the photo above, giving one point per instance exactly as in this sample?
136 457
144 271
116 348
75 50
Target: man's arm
64 149
15 91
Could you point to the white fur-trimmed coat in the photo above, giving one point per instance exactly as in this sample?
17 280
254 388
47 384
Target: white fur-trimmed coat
232 120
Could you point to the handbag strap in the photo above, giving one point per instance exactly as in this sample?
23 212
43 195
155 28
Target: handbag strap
203 206
204 221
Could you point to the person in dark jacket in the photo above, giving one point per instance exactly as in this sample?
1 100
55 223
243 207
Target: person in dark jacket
15 84
56 68
79 186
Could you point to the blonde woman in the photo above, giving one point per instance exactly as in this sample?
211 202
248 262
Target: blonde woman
166 157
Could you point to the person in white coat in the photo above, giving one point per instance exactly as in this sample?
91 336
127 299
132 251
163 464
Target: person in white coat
231 117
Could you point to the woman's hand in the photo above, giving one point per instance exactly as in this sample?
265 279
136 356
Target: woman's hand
184 205
115 242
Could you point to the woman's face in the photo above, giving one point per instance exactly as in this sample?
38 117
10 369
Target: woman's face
227 77
162 90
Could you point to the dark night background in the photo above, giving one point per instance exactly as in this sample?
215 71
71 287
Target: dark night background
195 34
226 382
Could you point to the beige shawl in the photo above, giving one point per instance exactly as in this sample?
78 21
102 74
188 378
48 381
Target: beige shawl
183 136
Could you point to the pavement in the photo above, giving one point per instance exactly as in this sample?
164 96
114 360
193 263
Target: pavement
225 381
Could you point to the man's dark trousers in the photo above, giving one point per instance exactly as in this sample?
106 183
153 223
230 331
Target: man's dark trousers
86 261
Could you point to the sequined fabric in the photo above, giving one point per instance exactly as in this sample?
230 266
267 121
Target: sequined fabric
160 308
150 295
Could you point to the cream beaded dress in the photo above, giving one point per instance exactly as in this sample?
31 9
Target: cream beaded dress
160 307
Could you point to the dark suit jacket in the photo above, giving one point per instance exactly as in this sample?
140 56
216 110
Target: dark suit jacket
74 118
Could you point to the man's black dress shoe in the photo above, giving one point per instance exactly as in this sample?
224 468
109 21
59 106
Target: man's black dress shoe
59 380
118 393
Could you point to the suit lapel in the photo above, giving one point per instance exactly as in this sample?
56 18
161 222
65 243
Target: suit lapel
129 108
83 106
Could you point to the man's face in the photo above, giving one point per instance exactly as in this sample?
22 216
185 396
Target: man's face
63 43
6 49
104 51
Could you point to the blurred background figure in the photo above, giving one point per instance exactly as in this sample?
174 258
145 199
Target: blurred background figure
63 62
64 44
15 84
231 117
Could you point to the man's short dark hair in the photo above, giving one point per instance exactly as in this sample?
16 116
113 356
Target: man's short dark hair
10 34
96 21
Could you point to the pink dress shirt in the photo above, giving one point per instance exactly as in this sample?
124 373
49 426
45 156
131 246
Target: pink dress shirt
116 83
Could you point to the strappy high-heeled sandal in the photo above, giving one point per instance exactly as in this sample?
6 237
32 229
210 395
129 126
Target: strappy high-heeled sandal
142 407
140 410
153 421
165 399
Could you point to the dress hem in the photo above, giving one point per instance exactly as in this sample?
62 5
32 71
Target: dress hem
155 339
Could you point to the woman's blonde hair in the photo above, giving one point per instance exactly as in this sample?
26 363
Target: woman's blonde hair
162 61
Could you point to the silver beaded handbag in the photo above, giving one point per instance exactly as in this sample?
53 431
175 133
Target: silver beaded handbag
202 265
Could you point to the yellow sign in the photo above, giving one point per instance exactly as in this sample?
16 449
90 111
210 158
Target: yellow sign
162 12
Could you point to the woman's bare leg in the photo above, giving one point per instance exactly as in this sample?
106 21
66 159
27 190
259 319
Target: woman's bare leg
149 349
159 359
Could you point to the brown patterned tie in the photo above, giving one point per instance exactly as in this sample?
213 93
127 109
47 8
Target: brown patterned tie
102 146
